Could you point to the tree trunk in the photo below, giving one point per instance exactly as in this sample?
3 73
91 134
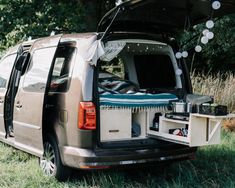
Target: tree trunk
95 10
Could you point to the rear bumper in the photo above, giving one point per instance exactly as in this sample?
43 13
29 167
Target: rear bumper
84 158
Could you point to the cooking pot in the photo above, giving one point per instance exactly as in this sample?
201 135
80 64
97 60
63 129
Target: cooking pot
179 107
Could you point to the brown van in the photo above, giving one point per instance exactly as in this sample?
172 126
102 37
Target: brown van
99 100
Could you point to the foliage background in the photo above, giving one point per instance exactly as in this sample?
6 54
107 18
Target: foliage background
219 53
20 19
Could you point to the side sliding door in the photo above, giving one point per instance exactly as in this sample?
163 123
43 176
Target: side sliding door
6 65
28 110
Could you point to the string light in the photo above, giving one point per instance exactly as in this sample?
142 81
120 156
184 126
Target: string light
198 48
216 5
178 72
209 24
178 55
204 40
210 35
184 54
205 31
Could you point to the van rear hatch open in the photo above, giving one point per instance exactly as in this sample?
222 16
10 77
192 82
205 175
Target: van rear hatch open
162 16
137 79
146 68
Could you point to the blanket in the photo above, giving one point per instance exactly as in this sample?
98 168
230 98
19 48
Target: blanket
137 100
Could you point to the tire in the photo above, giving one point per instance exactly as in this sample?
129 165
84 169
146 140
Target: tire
50 162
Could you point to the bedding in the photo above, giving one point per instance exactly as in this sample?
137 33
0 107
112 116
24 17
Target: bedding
136 100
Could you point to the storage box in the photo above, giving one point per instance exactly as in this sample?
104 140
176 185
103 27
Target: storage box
217 110
202 130
115 124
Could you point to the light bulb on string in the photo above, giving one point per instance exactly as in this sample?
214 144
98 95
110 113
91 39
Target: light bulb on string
204 40
216 5
178 72
210 24
198 48
205 31
210 35
178 55
184 54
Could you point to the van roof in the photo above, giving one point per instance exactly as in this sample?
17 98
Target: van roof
64 38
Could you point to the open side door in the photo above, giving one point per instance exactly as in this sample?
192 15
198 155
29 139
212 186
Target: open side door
29 101
11 93
6 66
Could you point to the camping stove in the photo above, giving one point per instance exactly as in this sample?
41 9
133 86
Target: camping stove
177 116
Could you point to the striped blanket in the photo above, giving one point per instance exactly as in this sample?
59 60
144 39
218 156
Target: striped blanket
137 100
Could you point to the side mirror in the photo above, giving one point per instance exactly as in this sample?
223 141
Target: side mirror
22 61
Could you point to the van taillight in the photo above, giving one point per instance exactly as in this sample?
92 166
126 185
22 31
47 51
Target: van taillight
87 116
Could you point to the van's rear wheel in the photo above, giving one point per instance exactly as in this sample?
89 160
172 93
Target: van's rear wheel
51 163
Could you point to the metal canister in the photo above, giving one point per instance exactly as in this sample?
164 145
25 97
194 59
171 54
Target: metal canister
189 107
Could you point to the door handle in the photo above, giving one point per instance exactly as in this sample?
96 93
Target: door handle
1 101
18 105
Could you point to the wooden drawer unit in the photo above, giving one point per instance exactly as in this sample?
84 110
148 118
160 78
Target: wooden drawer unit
115 124
202 130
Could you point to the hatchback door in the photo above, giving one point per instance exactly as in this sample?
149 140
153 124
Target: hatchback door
161 16
29 102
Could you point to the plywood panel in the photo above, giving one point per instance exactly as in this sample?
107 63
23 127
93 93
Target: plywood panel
115 124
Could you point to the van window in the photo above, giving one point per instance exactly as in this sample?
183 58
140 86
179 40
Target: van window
140 67
60 79
37 72
155 71
5 69
114 67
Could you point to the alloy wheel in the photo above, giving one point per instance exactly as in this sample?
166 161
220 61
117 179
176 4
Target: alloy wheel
48 160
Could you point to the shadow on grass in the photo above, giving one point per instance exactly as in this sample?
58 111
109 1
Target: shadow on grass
138 176
214 166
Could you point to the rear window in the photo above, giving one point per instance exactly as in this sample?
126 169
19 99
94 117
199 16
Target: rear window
154 71
60 79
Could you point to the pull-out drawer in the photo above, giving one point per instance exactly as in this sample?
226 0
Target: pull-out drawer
115 124
201 130
122 124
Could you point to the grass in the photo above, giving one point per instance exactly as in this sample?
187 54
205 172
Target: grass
221 86
214 166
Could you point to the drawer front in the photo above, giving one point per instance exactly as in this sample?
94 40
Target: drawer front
115 124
